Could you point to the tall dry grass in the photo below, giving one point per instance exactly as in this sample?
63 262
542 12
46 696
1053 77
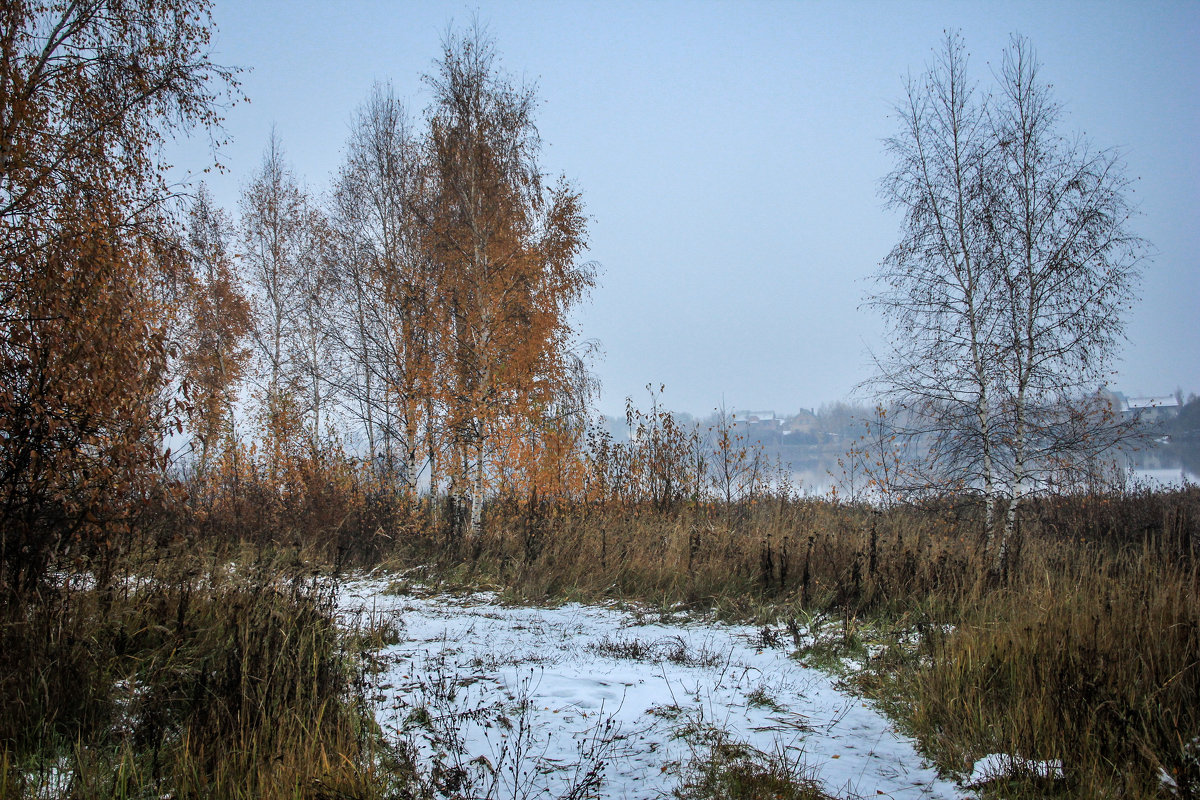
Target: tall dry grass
183 677
1094 664
812 553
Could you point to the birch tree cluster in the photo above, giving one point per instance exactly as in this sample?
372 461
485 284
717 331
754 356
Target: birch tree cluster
409 330
1006 290
417 318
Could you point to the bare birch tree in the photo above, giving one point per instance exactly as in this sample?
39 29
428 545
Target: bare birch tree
1006 290
387 331
1069 266
282 247
936 289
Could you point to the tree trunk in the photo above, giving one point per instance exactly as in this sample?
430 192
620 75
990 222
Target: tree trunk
477 496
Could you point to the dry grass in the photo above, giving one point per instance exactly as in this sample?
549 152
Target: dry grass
813 554
725 770
183 679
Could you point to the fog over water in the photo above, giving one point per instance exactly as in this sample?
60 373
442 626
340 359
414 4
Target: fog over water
1157 467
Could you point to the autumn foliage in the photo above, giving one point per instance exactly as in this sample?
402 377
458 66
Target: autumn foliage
407 339
88 256
418 324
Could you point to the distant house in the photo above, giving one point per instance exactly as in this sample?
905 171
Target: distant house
804 421
1152 409
759 418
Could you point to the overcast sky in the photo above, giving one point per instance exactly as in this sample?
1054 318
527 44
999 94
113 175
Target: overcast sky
729 156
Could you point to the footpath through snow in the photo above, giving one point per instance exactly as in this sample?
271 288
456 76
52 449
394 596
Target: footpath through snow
587 701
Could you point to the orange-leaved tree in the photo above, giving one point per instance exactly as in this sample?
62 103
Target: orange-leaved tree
506 249
89 90
214 348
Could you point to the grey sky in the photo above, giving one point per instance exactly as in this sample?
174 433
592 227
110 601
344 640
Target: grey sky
729 153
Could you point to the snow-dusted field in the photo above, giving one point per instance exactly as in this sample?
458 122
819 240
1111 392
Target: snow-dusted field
587 701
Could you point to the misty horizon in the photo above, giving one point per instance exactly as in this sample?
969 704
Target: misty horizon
729 158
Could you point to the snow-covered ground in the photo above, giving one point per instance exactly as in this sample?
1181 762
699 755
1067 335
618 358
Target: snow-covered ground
587 701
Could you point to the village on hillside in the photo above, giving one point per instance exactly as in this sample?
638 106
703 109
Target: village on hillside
1174 416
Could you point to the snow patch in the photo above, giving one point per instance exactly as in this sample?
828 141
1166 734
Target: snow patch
575 700
998 766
